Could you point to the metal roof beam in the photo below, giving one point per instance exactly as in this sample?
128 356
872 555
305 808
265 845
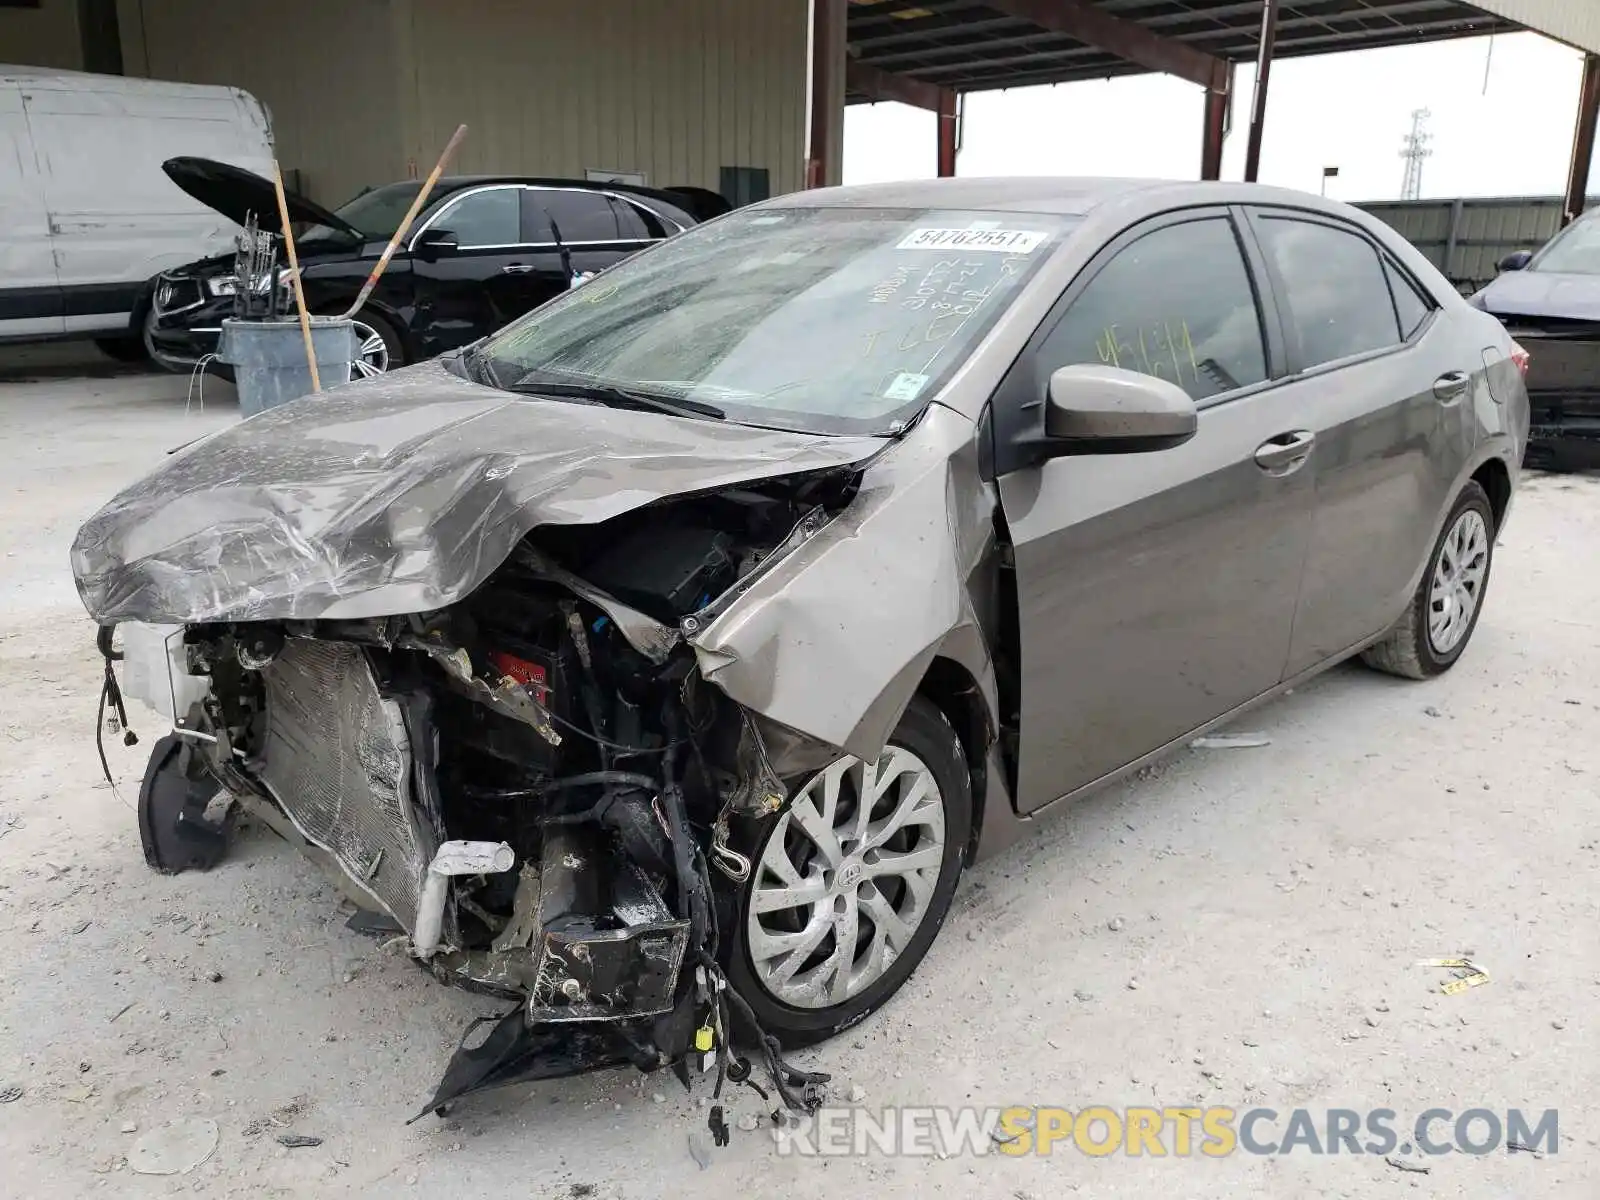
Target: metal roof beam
877 84
1126 39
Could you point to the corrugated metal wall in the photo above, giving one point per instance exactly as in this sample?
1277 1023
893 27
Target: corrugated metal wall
46 36
1466 238
363 92
325 70
1574 21
674 90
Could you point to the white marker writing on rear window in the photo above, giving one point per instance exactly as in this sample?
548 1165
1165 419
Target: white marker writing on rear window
1005 241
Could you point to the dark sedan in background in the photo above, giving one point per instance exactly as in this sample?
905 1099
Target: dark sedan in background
1549 301
484 251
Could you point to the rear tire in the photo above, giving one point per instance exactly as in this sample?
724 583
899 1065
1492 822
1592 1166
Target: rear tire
845 889
1425 642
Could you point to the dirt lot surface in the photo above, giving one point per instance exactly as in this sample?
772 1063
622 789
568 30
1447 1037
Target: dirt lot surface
1238 927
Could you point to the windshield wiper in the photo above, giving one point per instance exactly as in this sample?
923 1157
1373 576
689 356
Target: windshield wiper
616 396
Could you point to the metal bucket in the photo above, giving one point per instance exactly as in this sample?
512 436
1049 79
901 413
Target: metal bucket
269 358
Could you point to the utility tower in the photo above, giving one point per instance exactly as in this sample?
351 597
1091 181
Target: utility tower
1414 148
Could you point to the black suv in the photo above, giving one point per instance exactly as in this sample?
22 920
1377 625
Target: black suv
485 250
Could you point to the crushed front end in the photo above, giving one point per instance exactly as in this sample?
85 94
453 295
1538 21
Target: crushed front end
535 784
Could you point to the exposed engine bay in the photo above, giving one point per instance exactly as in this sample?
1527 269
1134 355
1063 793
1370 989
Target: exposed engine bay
535 784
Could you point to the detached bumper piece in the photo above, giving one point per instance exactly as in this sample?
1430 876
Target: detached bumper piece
516 1052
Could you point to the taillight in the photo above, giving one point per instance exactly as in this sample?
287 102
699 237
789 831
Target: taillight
1520 357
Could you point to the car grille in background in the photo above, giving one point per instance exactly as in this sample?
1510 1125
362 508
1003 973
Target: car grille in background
175 295
337 758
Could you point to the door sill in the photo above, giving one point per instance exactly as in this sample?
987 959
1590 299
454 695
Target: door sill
1178 743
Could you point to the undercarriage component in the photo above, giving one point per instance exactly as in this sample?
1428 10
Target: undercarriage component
609 948
451 860
173 798
337 759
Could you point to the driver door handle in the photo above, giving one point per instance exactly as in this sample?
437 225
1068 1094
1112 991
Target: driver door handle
1286 453
517 269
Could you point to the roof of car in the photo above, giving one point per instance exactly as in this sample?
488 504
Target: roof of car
1067 196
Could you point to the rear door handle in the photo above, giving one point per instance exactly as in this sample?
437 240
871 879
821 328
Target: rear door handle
1451 386
517 269
1286 453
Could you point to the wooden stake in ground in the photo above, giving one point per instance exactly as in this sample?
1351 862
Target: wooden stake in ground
405 225
294 268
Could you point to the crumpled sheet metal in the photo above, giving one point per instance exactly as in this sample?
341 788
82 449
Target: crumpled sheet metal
397 495
835 639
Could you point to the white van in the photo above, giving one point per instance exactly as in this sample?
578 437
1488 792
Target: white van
87 218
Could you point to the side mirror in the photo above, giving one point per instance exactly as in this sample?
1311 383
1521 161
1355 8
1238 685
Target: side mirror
1515 261
1108 410
435 243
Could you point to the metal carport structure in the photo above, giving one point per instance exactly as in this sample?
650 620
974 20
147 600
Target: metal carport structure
929 53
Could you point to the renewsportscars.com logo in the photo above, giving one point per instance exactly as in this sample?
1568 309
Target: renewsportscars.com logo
1181 1131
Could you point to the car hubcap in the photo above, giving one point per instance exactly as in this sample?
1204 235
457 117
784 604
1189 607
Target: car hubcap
846 879
1458 581
373 357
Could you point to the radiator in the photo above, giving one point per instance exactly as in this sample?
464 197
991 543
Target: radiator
337 759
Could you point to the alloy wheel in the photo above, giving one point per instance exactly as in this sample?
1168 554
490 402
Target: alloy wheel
1458 581
846 879
373 356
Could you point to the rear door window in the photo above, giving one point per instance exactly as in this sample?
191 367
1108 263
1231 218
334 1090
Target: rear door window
1334 289
1176 303
582 216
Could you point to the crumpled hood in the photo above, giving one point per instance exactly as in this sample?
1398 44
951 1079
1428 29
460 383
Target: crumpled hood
1543 294
397 495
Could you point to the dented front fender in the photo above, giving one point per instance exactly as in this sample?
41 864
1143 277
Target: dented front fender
834 639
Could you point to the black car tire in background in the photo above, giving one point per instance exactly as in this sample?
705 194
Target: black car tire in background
927 736
127 349
1408 650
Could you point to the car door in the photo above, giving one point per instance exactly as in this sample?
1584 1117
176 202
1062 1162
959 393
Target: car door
475 284
1387 389
1155 591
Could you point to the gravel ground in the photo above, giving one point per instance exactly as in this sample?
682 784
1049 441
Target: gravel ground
1235 927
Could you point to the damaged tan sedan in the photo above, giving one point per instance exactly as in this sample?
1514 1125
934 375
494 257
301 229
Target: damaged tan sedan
658 662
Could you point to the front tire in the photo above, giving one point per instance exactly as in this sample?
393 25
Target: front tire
127 349
378 346
1444 612
851 882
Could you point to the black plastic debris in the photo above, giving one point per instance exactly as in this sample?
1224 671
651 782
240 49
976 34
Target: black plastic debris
172 823
516 1052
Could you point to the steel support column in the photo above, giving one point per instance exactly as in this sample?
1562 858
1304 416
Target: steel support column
1258 102
828 58
1215 129
949 132
1583 139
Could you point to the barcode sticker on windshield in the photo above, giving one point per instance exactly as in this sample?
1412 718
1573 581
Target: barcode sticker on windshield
906 386
1005 241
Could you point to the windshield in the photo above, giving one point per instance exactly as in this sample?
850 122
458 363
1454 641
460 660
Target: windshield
376 213
1573 251
829 320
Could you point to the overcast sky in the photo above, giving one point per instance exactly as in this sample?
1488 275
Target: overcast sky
1511 137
